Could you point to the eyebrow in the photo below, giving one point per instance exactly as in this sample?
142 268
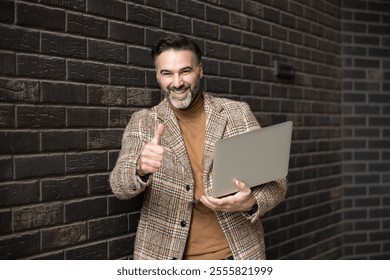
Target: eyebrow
181 70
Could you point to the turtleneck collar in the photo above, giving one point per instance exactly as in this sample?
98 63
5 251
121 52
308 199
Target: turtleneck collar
193 111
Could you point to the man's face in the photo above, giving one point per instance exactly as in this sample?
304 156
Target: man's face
178 74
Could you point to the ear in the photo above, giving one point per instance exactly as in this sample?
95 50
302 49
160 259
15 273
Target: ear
200 70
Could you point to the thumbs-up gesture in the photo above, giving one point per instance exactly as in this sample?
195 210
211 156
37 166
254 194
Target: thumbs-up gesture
151 156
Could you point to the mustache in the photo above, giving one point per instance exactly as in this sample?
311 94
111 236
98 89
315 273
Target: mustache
183 87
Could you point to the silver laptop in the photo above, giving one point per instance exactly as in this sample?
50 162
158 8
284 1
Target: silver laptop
255 157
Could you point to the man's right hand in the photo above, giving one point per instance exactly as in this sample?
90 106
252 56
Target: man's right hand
151 156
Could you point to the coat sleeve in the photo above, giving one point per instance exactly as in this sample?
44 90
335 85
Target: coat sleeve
268 195
124 182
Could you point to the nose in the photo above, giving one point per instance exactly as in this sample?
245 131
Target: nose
177 81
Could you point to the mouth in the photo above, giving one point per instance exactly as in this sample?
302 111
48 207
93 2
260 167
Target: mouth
178 92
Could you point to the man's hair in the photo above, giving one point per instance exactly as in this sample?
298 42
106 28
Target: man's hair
176 42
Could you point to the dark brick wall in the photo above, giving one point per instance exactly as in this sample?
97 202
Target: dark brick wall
366 129
73 72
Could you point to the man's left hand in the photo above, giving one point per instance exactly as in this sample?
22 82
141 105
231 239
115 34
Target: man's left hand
241 201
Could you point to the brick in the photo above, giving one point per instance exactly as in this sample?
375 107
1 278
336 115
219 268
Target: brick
100 50
88 72
98 184
74 4
216 50
126 33
119 117
17 193
31 166
20 246
217 85
217 15
5 222
87 117
64 236
7 116
87 25
6 169
38 216
63 93
139 57
107 95
235 5
16 142
176 23
60 140
261 27
65 46
127 76
191 8
40 67
205 30
7 61
105 139
229 35
163 4
88 252
40 116
121 247
228 69
142 97
140 14
85 209
64 188
117 206
7 11
19 90
110 8
271 15
107 227
39 16
85 162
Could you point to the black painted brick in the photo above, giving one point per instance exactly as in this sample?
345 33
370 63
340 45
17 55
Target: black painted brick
106 51
32 166
13 142
86 161
88 252
40 116
87 117
87 72
63 236
17 193
87 25
60 45
40 67
85 209
64 188
110 8
19 246
39 16
63 93
107 227
38 216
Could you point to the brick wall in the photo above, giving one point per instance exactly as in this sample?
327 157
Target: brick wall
73 72
366 130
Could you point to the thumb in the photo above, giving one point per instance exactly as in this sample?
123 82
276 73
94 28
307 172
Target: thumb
157 136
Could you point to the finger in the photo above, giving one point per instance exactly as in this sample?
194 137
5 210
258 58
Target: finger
241 186
157 136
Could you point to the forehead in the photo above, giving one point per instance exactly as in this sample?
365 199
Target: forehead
172 59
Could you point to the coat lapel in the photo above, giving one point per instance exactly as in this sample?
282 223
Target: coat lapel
215 128
172 137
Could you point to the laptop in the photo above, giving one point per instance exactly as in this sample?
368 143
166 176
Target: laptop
255 157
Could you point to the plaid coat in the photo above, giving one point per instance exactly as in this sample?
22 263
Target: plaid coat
168 194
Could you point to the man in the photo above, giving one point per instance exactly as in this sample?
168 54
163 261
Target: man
167 153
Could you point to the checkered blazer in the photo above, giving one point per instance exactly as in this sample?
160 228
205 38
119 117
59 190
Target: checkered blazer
167 207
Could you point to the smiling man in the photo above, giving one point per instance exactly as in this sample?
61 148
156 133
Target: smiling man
167 154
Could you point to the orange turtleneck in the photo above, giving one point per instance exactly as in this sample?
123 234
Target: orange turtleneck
206 239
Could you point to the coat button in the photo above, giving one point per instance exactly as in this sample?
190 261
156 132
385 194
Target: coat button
188 187
183 223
